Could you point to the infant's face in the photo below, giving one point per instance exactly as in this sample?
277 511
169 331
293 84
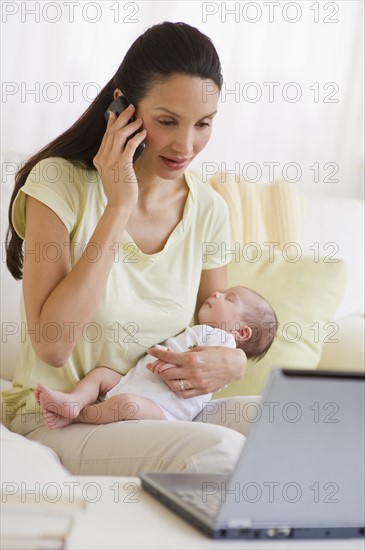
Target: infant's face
225 309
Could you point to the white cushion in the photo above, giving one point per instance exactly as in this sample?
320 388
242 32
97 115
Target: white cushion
25 460
338 220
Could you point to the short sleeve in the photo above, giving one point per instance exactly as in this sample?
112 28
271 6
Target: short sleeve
54 182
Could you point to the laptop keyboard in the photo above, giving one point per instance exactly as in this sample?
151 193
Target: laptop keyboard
207 503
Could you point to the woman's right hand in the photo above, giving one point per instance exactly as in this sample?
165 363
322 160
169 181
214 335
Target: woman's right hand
114 160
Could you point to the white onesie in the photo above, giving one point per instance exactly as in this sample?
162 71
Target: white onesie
140 381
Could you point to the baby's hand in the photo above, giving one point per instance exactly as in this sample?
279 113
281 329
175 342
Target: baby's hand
159 366
155 366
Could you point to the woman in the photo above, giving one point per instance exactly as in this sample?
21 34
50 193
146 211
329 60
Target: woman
113 260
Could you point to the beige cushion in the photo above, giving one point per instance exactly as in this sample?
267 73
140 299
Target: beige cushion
261 212
348 352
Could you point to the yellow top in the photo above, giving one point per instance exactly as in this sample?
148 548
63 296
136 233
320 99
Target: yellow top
147 297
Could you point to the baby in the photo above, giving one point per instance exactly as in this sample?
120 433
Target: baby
238 317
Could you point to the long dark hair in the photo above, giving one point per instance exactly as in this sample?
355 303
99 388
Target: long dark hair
163 50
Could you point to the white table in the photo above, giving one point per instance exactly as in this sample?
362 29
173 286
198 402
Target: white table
125 516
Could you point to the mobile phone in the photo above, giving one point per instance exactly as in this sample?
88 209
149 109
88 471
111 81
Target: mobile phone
118 106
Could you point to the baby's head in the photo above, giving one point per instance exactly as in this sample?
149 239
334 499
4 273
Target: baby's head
244 313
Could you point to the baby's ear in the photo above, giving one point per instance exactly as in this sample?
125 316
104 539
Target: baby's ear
243 334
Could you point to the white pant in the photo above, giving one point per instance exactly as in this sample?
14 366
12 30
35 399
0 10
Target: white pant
211 443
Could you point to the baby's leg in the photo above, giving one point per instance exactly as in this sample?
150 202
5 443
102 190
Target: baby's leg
124 406
69 405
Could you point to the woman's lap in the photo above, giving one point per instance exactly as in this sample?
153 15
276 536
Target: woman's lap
128 448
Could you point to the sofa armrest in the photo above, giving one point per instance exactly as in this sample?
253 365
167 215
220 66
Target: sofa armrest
345 349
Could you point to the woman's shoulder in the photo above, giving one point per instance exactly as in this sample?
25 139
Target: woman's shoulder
53 170
67 188
67 179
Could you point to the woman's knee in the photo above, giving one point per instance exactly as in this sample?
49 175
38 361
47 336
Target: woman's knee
222 450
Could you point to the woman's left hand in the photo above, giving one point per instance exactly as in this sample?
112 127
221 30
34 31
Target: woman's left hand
201 370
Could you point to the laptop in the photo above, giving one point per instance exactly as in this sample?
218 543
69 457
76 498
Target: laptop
301 471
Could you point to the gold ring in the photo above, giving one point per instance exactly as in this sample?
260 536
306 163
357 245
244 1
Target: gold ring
182 386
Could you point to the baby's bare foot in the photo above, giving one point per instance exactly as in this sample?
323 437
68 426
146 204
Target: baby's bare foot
54 420
62 404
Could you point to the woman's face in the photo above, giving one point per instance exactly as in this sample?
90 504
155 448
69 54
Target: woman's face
178 115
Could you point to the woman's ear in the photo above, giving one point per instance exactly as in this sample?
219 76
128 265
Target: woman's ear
117 93
243 334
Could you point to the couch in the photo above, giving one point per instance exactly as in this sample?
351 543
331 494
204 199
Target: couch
312 272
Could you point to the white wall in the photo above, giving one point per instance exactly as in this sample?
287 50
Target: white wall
318 45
